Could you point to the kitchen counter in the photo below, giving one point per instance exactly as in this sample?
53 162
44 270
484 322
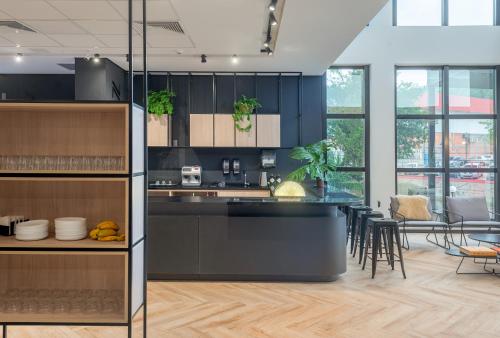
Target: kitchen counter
283 239
208 187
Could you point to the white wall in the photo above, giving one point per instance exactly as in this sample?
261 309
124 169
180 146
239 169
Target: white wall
383 46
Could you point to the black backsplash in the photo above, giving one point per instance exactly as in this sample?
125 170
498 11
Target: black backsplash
38 87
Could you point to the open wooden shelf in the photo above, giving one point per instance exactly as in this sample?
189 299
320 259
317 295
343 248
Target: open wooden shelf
64 138
96 199
9 242
76 271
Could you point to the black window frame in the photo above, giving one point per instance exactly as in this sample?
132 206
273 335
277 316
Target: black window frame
445 13
365 116
446 117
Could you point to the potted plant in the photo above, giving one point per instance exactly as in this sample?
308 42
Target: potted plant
243 110
160 109
317 167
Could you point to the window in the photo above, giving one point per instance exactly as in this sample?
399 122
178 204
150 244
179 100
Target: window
347 127
419 12
445 12
471 12
447 149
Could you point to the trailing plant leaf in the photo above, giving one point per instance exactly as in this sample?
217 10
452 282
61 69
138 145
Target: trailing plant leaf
318 163
161 102
243 109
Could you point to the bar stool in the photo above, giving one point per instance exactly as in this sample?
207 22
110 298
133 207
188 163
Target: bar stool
353 220
377 228
361 233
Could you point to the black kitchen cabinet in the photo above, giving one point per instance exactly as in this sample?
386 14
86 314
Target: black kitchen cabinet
172 246
224 94
268 94
245 85
290 101
180 119
202 94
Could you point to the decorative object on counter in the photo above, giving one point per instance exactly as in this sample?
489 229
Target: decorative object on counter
70 228
106 231
289 189
32 230
8 224
318 167
263 179
160 102
243 109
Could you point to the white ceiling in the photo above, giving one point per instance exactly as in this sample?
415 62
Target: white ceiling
312 33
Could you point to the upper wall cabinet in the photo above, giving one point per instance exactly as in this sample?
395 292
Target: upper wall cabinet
201 130
268 94
224 130
201 96
158 131
268 131
225 94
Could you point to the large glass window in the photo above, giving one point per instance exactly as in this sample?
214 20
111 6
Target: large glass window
447 149
445 12
419 12
471 12
347 125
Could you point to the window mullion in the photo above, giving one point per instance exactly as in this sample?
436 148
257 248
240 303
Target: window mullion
446 130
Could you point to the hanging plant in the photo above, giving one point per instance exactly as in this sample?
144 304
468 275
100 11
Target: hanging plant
161 102
243 109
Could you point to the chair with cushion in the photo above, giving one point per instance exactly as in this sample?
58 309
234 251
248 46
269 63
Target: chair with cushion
416 212
470 213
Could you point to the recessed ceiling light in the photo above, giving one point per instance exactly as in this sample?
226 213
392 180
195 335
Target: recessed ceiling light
234 59
18 45
179 51
272 20
96 58
19 57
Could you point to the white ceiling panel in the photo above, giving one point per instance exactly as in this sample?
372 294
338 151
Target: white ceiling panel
54 27
87 40
156 10
162 38
4 16
6 43
119 41
30 10
86 10
104 27
27 39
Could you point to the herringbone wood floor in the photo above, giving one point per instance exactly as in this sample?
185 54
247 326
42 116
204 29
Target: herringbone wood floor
432 302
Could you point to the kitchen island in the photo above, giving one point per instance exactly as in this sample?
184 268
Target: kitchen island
280 239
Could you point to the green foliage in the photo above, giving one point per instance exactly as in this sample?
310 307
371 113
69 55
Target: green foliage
243 109
317 163
347 137
160 102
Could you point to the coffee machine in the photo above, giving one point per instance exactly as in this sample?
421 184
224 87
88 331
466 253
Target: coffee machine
191 176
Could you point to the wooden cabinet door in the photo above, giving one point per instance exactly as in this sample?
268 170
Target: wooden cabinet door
158 131
247 138
223 130
268 131
201 130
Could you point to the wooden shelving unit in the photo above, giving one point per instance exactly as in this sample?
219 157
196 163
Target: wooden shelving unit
72 160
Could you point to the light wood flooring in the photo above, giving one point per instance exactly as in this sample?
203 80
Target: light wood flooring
432 302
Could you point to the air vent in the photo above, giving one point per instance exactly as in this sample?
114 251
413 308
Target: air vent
173 26
15 25
68 66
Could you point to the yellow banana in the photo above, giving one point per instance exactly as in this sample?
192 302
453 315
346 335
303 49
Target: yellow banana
112 238
107 225
93 233
106 232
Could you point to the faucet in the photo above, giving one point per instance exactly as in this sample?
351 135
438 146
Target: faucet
245 183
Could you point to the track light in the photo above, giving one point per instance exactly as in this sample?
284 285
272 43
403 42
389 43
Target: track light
19 57
268 41
96 58
272 5
203 58
272 20
269 51
234 59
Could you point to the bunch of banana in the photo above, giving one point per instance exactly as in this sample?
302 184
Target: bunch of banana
106 231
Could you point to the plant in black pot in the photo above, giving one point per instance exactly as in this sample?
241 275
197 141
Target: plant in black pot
318 167
243 110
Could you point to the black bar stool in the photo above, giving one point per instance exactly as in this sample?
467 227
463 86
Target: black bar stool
361 233
378 228
355 209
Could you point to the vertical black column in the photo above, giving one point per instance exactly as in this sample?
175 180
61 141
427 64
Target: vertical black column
145 84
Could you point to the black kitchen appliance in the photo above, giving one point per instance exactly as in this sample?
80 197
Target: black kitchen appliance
225 167
236 166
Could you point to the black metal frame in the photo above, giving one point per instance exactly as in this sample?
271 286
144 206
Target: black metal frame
214 75
130 175
445 12
446 117
365 115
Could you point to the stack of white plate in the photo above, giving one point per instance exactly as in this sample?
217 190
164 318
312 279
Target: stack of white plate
32 230
70 228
